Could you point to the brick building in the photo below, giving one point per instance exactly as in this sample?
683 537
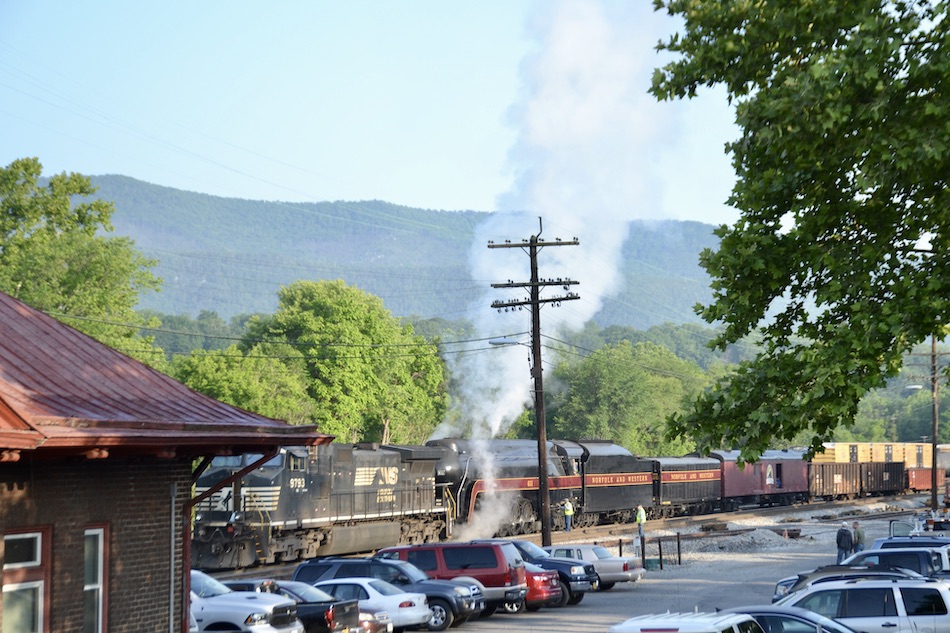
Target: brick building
96 467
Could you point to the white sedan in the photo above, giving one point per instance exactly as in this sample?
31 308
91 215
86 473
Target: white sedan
407 610
611 569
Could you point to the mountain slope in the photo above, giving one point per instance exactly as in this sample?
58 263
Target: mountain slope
230 255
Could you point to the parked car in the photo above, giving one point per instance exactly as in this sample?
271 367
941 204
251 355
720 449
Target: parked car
774 619
452 602
407 610
544 590
689 623
370 622
498 567
217 607
923 560
610 569
829 573
898 606
317 610
576 577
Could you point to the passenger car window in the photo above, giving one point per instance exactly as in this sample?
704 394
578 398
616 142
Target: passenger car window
923 601
424 559
823 602
868 603
385 572
469 558
353 570
310 573
750 626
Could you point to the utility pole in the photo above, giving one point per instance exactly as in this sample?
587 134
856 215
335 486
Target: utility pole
532 246
936 416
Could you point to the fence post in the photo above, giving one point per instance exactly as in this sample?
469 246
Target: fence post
659 542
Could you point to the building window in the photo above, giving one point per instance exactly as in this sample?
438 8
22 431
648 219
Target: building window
94 590
26 568
23 607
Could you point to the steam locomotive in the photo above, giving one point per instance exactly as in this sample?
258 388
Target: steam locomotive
342 499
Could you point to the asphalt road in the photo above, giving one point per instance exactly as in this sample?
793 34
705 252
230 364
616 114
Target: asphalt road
730 581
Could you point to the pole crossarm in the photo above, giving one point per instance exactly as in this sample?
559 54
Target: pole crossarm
525 302
536 244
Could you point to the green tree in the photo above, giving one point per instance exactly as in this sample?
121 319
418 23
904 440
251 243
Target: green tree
842 166
54 258
625 393
266 380
372 378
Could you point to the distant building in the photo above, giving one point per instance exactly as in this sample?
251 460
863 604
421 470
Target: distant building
96 459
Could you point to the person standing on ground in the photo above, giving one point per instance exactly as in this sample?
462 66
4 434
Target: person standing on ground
641 520
845 542
858 538
568 514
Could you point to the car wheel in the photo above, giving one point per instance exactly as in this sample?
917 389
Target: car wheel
513 607
565 595
577 597
604 586
442 615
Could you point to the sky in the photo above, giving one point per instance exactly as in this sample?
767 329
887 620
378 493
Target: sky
424 103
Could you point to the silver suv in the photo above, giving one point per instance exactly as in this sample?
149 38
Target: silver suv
897 606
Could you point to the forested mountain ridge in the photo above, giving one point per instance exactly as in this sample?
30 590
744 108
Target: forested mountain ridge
231 255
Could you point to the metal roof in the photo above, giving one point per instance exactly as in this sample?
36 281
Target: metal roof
62 392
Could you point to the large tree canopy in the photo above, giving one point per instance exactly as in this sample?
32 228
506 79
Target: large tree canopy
842 166
372 378
54 257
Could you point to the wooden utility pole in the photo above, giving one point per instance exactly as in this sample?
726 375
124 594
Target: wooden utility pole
532 246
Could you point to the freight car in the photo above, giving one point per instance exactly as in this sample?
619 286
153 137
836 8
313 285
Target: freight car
777 478
317 501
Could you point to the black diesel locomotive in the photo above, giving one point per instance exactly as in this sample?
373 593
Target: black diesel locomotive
341 499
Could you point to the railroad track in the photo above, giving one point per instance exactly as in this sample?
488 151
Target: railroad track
625 534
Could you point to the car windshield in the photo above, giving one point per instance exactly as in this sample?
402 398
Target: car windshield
204 586
532 550
307 593
385 588
601 552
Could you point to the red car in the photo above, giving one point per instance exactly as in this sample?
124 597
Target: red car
544 589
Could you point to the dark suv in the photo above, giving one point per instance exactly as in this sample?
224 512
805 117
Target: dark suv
452 602
497 566
577 577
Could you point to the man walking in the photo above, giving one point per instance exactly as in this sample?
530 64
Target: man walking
844 541
641 520
858 538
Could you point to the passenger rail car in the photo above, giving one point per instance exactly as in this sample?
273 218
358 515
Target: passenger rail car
332 499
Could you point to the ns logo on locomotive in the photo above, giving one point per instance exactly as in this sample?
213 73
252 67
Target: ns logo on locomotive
345 499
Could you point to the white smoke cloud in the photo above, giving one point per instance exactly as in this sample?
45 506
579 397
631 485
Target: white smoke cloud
586 161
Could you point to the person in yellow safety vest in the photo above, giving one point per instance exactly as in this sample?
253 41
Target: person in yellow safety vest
641 519
568 514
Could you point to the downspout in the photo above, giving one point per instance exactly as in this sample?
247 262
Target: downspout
186 523
173 493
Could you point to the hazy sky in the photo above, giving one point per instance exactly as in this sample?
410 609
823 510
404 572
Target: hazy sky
424 103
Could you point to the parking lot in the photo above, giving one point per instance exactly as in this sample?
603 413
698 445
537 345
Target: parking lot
735 580
735 572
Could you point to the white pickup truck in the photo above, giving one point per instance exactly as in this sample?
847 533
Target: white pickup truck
215 607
